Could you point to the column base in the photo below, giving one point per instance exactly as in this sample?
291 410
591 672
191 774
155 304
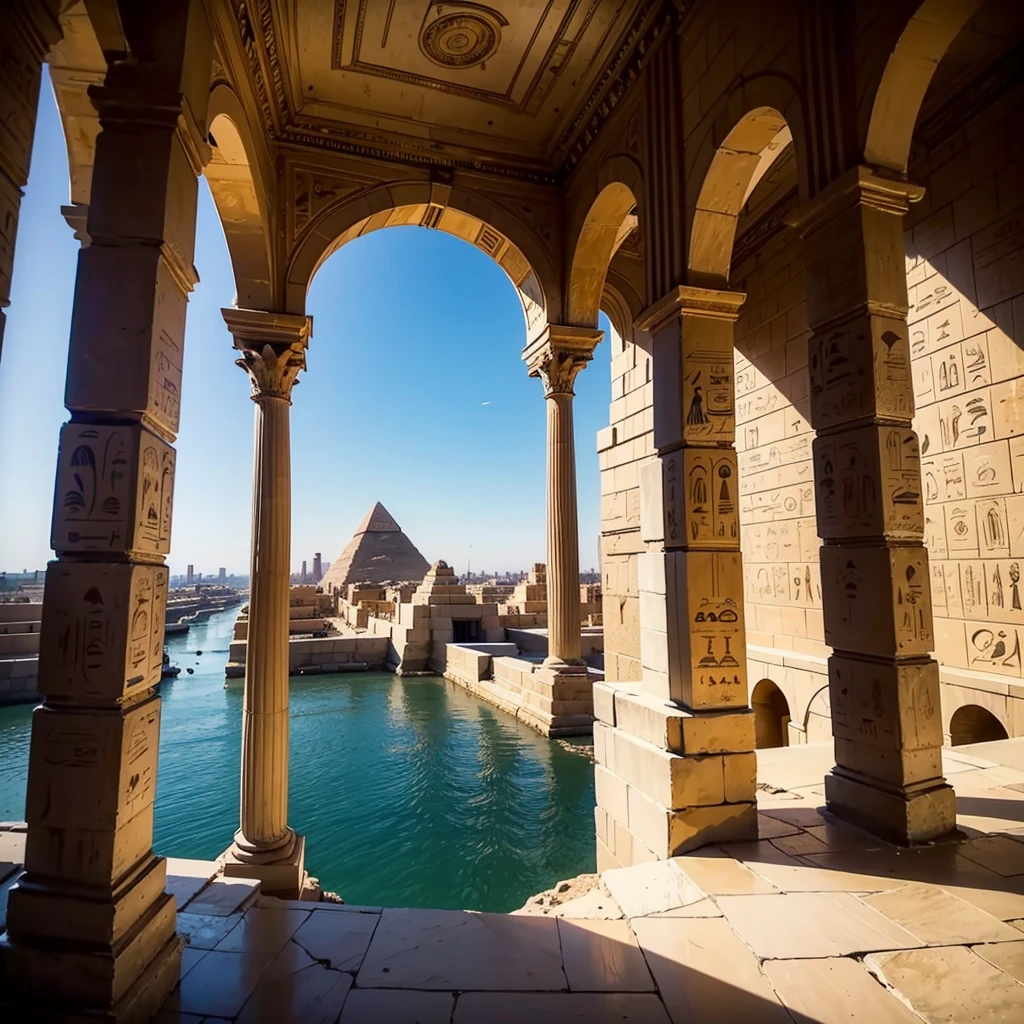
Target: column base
915 814
280 871
562 666
60 982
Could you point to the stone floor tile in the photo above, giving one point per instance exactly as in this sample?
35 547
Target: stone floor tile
648 888
843 838
189 958
771 828
937 917
602 956
795 767
296 990
1001 854
204 931
717 874
220 983
800 844
381 1006
345 908
950 985
12 847
989 809
186 878
962 757
837 990
171 1013
224 896
1007 956
596 905
824 872
702 908
457 950
340 940
804 814
704 971
556 1008
811 924
1019 924
263 931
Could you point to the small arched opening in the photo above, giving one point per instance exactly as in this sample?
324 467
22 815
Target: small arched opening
771 715
974 724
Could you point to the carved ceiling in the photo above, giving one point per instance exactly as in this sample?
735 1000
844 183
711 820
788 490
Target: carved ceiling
509 85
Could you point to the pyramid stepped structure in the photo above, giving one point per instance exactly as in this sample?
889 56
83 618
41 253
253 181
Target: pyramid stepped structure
379 552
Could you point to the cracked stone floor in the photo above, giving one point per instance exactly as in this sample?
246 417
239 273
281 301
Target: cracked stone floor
815 922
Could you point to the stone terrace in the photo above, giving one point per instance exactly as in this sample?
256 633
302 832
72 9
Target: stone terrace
817 921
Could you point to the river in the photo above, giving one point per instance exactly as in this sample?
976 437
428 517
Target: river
410 792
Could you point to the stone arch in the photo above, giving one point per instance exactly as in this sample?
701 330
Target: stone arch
621 302
771 715
741 160
971 723
907 75
240 194
463 214
609 219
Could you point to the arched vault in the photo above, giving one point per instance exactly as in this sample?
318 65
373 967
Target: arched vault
463 214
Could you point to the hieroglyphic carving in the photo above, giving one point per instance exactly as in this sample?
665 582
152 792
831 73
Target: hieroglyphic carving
712 637
881 601
868 483
861 369
104 625
699 488
114 491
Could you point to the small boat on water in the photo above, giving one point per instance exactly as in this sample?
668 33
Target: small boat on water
169 671
176 628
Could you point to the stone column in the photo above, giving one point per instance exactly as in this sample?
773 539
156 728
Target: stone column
272 349
883 682
556 357
28 30
90 928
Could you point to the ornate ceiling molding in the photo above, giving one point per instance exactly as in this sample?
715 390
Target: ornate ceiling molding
260 46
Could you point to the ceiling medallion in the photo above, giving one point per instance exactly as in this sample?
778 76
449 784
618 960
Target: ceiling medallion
461 40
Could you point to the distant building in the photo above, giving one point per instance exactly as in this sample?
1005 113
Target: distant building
318 568
303 575
222 574
190 576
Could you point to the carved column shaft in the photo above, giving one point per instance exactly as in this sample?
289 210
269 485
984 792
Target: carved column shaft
883 682
89 924
272 349
556 357
563 567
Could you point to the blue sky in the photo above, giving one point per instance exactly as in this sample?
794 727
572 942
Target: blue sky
415 395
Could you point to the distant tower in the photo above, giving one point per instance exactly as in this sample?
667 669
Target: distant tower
302 578
222 575
190 576
318 568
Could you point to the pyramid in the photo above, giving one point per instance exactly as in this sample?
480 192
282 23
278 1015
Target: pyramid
378 553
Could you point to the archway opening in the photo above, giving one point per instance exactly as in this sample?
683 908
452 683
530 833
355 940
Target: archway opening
974 724
753 144
771 715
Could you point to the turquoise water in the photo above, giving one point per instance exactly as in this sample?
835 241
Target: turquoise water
410 792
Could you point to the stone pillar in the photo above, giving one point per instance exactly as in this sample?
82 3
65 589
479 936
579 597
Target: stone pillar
883 682
556 357
89 924
28 30
676 767
272 349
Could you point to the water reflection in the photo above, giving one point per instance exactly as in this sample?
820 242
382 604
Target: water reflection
410 791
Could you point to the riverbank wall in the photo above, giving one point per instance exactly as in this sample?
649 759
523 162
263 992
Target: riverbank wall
316 655
20 623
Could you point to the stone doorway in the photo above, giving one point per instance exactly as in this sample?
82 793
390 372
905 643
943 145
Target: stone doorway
771 715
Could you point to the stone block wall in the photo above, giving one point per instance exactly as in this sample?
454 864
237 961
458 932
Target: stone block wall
965 276
623 447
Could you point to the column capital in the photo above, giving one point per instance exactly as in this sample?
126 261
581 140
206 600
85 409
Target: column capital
558 354
77 217
273 348
860 186
710 303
